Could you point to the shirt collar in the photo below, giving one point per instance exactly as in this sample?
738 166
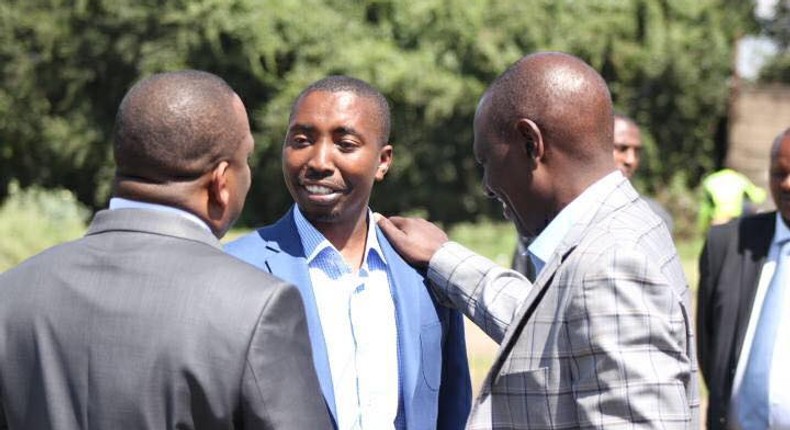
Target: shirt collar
544 245
314 242
122 203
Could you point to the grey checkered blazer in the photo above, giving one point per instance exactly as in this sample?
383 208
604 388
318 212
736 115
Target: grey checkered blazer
603 339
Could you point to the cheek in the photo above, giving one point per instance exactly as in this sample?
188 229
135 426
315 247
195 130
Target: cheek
290 163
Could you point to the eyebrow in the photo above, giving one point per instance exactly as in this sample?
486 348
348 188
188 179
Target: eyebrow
305 128
344 130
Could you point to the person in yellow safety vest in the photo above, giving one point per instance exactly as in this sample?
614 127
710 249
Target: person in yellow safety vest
727 194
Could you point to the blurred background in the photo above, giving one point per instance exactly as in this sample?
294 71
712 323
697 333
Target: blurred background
707 81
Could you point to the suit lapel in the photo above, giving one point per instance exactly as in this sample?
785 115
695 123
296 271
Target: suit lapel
754 237
611 200
408 303
286 260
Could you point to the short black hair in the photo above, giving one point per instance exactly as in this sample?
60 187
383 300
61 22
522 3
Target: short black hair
175 126
341 83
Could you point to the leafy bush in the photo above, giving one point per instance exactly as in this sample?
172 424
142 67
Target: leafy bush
65 65
34 219
683 203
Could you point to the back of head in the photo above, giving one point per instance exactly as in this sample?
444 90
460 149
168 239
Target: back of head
174 127
566 98
358 87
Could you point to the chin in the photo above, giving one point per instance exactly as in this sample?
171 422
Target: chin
319 216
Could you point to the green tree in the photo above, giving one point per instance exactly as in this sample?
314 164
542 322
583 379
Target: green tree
65 65
777 28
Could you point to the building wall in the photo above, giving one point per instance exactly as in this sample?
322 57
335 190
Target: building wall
757 115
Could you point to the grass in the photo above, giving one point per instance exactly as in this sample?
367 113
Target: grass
33 220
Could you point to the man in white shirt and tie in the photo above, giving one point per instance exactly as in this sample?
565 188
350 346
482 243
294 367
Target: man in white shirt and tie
742 319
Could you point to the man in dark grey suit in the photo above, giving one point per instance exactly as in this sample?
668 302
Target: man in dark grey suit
145 322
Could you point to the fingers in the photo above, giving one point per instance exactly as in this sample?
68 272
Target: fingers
415 239
385 224
395 235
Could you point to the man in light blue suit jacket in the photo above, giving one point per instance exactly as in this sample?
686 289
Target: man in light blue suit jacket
398 358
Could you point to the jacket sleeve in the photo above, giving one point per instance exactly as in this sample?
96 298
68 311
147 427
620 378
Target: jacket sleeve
488 294
631 344
709 267
455 393
280 389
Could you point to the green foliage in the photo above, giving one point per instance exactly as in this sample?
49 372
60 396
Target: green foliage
683 204
777 69
777 28
494 240
35 219
64 66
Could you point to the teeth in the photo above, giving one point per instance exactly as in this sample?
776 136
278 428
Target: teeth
317 189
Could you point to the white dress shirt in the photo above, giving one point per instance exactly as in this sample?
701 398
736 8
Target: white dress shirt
778 393
357 316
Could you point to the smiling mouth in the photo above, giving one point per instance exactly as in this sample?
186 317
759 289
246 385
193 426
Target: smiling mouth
321 194
319 190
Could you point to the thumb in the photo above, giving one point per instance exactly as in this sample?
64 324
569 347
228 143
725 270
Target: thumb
393 233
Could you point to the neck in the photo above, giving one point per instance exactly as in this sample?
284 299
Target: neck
571 188
348 237
185 196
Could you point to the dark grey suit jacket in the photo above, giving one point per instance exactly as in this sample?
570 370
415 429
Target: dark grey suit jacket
146 324
730 267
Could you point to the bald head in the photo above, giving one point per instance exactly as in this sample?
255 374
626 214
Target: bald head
566 98
175 126
780 174
543 134
782 139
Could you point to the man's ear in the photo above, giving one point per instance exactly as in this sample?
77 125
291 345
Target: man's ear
218 191
531 138
385 160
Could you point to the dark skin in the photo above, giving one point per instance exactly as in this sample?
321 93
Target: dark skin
780 175
333 154
537 157
216 196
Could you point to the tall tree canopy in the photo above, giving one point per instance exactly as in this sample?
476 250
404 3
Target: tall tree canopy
66 64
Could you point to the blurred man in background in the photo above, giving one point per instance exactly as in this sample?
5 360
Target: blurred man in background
743 321
727 194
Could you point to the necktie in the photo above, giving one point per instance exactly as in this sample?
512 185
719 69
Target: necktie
753 406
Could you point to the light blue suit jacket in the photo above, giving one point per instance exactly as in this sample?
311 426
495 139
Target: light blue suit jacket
436 391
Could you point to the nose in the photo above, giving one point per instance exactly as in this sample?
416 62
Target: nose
320 162
630 156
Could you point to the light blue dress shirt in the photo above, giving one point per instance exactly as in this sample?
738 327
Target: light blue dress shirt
121 203
779 374
541 249
357 316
